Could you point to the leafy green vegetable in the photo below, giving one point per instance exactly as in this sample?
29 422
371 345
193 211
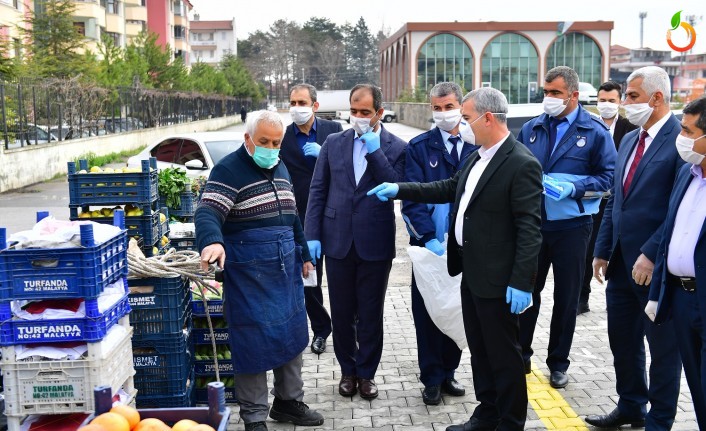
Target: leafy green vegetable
172 183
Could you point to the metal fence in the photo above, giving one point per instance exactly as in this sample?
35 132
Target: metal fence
38 112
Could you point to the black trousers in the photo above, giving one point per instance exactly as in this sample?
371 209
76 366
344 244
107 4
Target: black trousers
319 318
499 380
588 274
565 252
357 290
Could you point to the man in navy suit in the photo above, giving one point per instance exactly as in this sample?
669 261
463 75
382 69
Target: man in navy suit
300 147
679 282
357 235
626 250
435 155
609 96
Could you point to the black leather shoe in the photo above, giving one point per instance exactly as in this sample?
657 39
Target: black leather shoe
318 346
613 420
453 388
558 379
348 386
583 308
473 425
295 412
431 395
528 367
256 426
368 389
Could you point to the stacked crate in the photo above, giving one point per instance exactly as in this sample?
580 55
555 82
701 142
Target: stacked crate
35 386
95 195
204 366
182 236
161 317
184 212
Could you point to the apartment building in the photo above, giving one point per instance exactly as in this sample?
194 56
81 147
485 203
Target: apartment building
211 40
170 21
12 14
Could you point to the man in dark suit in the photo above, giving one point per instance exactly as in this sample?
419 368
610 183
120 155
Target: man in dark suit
626 249
494 240
300 147
609 96
679 284
356 234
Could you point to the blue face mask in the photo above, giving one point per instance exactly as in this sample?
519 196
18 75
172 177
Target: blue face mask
265 157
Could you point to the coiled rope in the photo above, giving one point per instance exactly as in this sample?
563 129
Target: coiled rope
185 263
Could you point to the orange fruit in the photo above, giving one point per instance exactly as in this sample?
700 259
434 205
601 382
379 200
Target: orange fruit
184 425
129 413
92 427
151 424
201 427
112 422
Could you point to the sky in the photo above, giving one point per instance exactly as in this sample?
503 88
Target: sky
392 14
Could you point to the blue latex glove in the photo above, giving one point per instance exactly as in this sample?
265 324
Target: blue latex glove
385 191
314 250
518 299
435 246
568 189
311 149
372 141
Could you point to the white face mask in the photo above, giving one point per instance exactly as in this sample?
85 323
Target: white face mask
447 120
362 125
685 147
466 132
639 113
607 109
553 106
301 114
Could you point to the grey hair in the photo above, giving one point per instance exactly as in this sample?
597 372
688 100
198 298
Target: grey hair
444 89
257 117
488 99
654 79
571 78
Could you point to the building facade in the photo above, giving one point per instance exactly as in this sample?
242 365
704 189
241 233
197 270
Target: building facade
170 21
211 40
13 14
510 56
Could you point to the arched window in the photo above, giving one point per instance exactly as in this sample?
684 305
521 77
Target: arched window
510 65
580 53
444 57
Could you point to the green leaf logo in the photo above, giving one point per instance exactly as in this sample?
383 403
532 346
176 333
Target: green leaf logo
676 19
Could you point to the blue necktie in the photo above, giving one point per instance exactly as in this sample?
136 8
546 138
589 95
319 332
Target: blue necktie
553 124
454 149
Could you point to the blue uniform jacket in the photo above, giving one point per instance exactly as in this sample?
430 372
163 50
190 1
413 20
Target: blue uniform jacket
428 160
586 149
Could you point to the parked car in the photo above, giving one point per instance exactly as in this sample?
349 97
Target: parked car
387 116
588 95
195 153
28 134
344 115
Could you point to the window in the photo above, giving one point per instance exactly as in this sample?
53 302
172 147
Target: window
204 37
166 151
113 7
80 27
115 37
190 150
510 65
444 57
580 53
223 35
179 32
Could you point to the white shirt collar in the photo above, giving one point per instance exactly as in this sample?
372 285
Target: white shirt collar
490 152
652 131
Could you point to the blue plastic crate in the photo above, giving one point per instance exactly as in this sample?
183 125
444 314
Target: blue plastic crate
91 328
201 393
186 243
114 188
146 227
156 323
159 293
203 335
215 307
79 272
207 366
161 372
186 207
182 398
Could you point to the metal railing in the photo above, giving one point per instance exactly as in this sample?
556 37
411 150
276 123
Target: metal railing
37 112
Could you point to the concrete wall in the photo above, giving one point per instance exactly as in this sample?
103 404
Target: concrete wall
21 167
412 114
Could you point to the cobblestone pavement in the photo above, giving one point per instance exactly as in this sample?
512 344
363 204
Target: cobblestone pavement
399 407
